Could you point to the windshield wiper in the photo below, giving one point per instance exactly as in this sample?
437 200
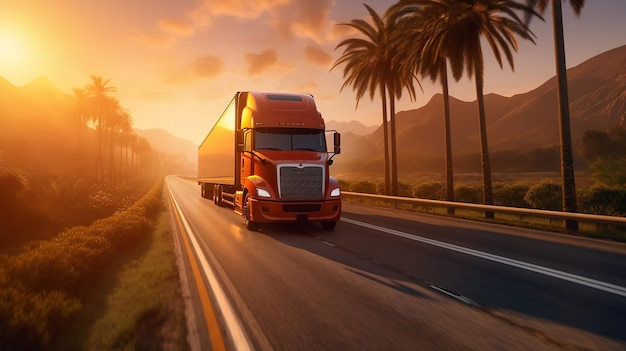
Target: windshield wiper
307 149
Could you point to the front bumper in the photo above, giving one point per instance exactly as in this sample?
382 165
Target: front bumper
264 211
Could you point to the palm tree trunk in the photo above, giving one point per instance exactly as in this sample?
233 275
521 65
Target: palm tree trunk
394 152
99 163
383 94
484 149
567 160
446 108
111 159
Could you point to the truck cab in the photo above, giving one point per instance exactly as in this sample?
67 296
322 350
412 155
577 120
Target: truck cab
281 161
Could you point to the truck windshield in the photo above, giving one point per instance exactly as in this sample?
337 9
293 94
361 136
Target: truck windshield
290 139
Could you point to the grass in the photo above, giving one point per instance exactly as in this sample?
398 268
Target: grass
138 304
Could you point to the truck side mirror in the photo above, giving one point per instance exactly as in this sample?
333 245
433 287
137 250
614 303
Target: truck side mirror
337 143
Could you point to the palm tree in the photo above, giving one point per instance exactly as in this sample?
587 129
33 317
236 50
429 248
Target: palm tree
459 34
81 109
124 139
425 55
567 158
101 103
365 62
369 66
13 185
81 114
112 123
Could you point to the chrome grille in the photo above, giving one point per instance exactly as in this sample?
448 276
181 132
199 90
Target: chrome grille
301 182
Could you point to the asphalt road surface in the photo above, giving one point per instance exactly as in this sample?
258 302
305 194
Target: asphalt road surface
393 280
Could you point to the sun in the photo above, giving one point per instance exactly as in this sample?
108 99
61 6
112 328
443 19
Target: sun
19 61
12 50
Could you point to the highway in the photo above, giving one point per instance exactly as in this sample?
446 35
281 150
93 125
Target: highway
393 280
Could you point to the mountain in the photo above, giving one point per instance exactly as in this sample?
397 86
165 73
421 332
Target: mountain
354 127
597 94
39 132
166 143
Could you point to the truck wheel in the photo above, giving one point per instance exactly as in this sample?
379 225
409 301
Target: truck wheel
245 206
217 195
328 225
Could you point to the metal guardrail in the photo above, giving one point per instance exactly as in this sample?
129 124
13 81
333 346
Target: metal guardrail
582 217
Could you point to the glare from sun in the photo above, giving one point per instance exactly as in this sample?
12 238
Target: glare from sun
12 50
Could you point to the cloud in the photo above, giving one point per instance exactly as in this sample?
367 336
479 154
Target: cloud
304 18
208 66
242 8
168 34
266 62
299 18
176 28
159 40
309 87
260 63
317 56
201 15
339 31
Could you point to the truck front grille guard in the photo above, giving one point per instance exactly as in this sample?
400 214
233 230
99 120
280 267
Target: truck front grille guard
301 181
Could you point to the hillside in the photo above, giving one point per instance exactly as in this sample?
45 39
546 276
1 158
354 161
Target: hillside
39 132
597 92
162 141
354 127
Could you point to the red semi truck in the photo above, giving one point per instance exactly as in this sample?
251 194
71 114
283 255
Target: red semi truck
267 158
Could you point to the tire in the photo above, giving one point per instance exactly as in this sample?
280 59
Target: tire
218 194
328 225
245 207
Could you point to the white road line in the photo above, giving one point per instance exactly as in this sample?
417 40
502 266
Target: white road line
592 283
239 338
461 298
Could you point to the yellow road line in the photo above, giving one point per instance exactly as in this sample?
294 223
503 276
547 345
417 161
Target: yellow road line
217 341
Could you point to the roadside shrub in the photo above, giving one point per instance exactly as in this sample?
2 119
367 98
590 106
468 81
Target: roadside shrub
123 229
546 195
363 187
380 188
60 263
430 190
469 193
610 172
405 189
510 194
149 205
603 200
30 321
344 185
39 288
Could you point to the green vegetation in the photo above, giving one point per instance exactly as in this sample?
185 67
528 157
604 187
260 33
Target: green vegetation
137 305
77 216
594 199
430 38
95 107
43 288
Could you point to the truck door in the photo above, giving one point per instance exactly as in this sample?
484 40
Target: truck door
247 160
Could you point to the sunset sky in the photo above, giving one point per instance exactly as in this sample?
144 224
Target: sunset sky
176 64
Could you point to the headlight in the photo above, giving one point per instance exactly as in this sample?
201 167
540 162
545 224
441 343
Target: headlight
262 193
335 192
